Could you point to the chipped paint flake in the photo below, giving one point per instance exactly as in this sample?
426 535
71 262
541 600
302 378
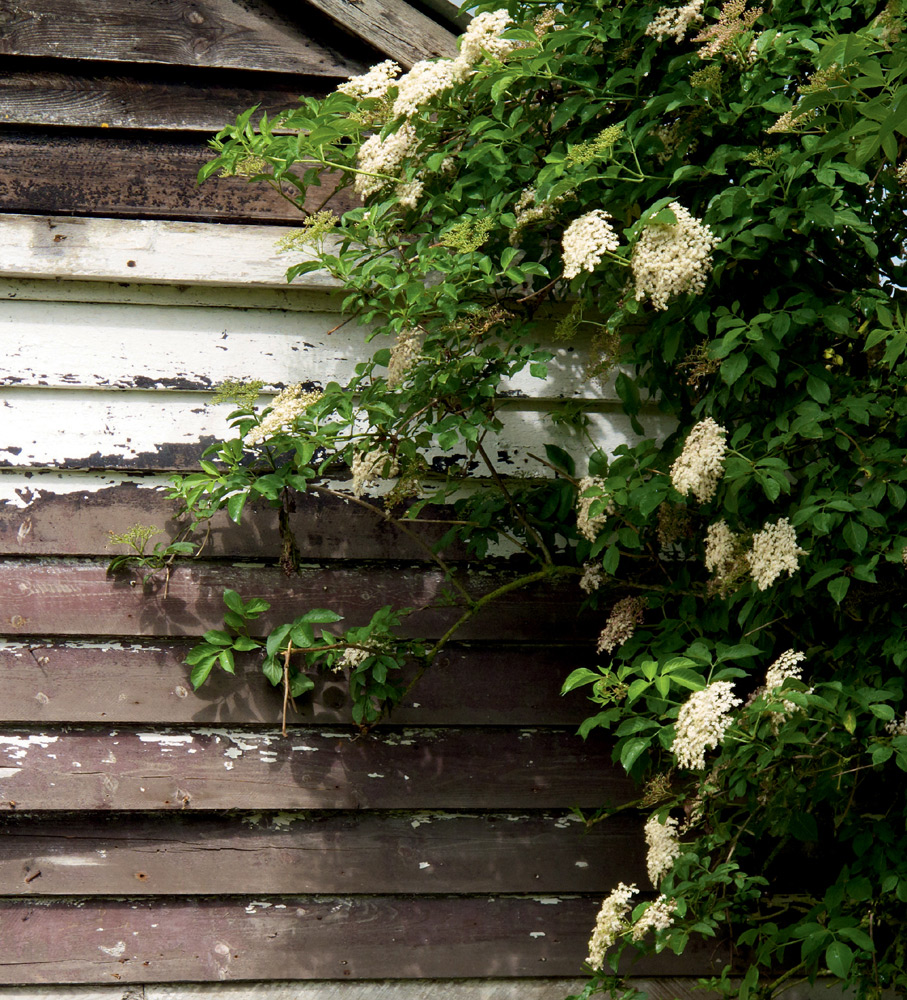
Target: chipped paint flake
9 772
165 739
34 740
375 774
425 864
115 950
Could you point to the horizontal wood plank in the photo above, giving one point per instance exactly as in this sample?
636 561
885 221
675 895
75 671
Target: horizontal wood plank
37 520
199 348
150 430
145 178
363 853
76 598
547 988
205 768
69 99
212 33
490 685
210 940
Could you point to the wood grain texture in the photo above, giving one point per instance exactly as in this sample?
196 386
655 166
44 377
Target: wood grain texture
205 768
488 685
91 100
155 431
212 33
76 598
34 521
197 348
209 940
393 27
331 853
145 177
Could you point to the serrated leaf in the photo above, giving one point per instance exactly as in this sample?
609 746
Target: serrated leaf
839 959
320 616
200 672
631 750
233 601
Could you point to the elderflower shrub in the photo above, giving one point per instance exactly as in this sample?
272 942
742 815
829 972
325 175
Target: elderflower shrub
745 281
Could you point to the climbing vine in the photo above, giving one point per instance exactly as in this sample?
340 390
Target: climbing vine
708 201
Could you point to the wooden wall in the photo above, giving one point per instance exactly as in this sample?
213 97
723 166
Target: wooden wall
154 835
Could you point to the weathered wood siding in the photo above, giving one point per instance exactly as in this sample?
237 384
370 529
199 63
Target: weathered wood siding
149 834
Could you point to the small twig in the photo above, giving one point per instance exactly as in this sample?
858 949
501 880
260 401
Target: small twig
286 685
334 329
31 878
541 291
555 468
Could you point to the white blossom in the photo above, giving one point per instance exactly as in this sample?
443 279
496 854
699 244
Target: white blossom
351 658
774 551
374 83
484 36
664 849
586 240
720 547
409 192
426 79
383 156
593 577
658 916
621 623
404 352
610 923
670 259
287 405
589 525
787 665
703 720
700 465
674 22
370 466
897 727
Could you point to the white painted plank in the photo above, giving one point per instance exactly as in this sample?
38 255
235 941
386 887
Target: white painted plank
145 429
194 253
295 297
125 346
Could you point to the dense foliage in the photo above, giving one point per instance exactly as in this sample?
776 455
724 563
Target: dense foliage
711 200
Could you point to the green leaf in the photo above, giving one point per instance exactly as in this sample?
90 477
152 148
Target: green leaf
225 659
579 677
218 638
632 749
839 959
319 616
233 601
300 684
200 672
235 506
560 458
838 588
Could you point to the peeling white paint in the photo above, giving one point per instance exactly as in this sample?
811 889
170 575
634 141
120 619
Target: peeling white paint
306 749
165 739
9 772
536 934
547 900
228 765
425 864
375 774
72 861
115 950
581 864
258 905
33 740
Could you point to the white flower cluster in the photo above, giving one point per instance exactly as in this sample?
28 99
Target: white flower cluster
593 577
670 259
897 727
610 923
658 916
374 83
586 240
406 349
425 80
351 658
674 22
720 548
621 623
383 156
664 848
370 466
901 174
589 525
703 720
785 666
700 465
484 36
287 405
774 550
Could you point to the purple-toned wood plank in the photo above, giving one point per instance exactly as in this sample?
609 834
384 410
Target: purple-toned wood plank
418 852
47 682
211 768
210 940
77 524
78 598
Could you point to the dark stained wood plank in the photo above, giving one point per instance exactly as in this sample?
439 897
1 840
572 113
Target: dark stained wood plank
46 97
79 524
364 853
490 685
133 177
77 598
213 33
210 940
206 768
392 26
